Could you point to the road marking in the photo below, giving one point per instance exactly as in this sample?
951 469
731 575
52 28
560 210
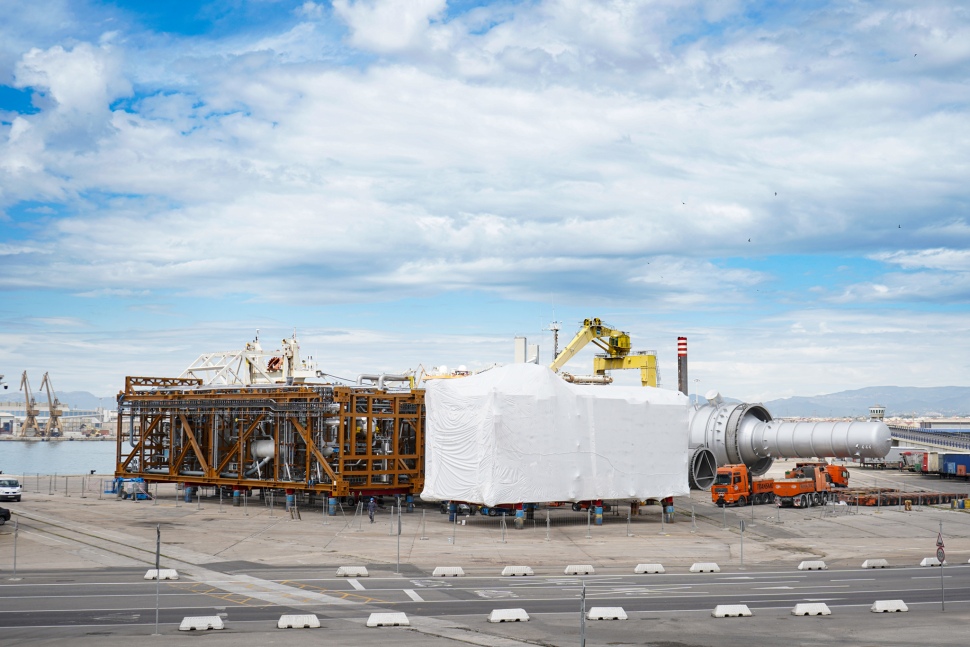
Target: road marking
414 596
861 579
357 585
768 588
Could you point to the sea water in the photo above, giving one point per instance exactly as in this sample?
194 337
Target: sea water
19 458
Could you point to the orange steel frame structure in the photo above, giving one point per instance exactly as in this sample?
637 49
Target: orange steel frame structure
325 439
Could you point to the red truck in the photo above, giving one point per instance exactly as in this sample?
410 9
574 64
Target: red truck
734 485
807 485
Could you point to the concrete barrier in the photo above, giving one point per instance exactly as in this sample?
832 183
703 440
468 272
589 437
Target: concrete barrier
352 571
201 623
731 611
875 563
649 568
811 609
448 571
705 567
931 561
813 566
579 569
388 620
606 613
508 615
512 571
162 574
888 606
297 621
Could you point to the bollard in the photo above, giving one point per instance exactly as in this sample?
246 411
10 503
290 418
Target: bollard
547 525
424 528
693 520
588 518
599 514
66 488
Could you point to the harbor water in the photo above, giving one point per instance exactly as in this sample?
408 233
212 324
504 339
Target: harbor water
18 458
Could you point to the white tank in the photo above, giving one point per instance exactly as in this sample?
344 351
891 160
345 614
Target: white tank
263 449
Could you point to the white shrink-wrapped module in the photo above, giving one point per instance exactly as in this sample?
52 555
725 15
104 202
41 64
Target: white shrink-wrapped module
519 433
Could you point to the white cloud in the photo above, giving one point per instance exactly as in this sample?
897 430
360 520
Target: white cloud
388 25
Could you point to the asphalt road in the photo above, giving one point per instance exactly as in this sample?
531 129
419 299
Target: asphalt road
121 596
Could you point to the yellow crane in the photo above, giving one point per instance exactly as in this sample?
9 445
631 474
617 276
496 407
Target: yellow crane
30 407
616 346
53 427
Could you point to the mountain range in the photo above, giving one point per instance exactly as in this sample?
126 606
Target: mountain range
900 401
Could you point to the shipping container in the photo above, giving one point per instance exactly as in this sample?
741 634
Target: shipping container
955 466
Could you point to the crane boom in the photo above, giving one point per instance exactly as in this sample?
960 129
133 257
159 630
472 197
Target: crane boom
594 331
53 427
30 409
616 344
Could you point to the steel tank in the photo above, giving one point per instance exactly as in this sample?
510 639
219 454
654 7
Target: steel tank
732 433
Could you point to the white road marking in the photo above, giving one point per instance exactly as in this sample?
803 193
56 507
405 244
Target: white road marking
414 596
354 583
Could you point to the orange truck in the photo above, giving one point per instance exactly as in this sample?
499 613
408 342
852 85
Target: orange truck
838 475
734 485
809 484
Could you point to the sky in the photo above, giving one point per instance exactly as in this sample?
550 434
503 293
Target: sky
414 183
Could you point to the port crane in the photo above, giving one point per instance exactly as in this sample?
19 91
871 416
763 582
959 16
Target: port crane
30 408
53 427
617 352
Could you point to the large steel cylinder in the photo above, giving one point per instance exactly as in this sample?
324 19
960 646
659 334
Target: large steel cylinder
745 433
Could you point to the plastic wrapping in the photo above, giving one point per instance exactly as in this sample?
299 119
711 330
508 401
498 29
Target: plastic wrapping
519 433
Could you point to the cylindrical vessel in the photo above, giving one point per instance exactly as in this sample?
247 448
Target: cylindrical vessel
262 449
736 433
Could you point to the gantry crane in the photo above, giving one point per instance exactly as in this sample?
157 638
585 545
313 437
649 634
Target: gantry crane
616 345
53 427
30 406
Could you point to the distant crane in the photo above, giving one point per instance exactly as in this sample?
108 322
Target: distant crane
616 345
54 406
30 405
3 383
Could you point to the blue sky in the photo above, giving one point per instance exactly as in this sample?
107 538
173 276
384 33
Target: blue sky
417 182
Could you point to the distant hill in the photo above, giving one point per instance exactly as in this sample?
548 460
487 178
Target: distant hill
84 400
900 401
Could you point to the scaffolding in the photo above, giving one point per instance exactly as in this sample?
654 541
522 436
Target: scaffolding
324 439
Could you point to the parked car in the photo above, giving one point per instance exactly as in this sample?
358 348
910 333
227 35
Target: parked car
4 516
10 489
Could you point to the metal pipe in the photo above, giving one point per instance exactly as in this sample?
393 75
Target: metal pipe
745 433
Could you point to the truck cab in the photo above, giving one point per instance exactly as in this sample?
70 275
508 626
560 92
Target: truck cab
733 485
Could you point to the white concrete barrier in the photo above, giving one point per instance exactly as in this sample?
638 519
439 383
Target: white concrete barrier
201 623
731 611
888 606
352 571
298 621
705 567
508 615
579 569
388 620
512 571
162 574
606 613
811 609
448 571
649 568
813 566
931 561
875 563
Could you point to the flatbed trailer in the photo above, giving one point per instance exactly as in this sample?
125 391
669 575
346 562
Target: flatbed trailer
890 497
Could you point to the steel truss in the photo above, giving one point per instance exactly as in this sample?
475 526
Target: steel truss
330 440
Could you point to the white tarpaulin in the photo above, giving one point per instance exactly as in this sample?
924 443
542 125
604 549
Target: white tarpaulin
519 433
